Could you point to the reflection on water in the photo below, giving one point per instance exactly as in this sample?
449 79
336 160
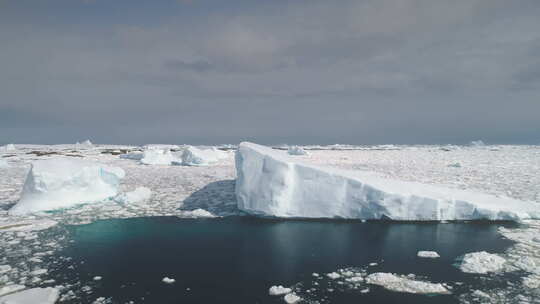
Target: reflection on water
236 260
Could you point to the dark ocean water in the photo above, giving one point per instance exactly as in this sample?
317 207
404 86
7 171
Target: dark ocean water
236 259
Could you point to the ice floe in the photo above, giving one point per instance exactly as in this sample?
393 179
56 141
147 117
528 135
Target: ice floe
278 290
271 184
168 280
37 295
65 182
405 284
428 254
481 262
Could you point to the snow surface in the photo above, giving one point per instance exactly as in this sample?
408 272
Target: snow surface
428 254
47 295
64 182
405 284
481 262
270 183
3 163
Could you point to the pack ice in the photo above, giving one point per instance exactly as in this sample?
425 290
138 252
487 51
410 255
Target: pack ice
63 182
270 183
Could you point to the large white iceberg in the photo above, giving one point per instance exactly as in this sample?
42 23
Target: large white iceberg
270 183
201 157
63 182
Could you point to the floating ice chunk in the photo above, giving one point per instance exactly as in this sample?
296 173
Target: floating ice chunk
296 150
333 275
64 182
198 157
291 298
157 157
278 290
7 289
97 278
47 295
27 225
138 195
404 284
270 183
167 280
38 272
481 262
428 254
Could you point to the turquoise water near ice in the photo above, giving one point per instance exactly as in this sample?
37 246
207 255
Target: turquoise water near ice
236 259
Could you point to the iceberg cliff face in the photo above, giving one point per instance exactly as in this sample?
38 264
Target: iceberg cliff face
269 183
63 182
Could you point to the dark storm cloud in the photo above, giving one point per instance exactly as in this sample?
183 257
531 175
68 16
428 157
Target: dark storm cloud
371 71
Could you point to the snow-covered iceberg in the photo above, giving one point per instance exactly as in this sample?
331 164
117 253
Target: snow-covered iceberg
296 150
270 183
201 157
157 157
63 182
8 147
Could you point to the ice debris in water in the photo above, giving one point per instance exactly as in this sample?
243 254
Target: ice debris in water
296 150
278 290
270 183
64 182
481 262
138 195
428 254
168 280
37 295
291 298
405 284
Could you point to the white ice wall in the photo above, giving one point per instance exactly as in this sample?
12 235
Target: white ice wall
270 183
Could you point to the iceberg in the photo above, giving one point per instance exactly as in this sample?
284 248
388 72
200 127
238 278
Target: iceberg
270 183
198 157
157 157
296 150
9 147
64 182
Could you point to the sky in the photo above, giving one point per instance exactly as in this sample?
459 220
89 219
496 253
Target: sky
270 71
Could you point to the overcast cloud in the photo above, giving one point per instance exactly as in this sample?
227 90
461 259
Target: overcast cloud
303 71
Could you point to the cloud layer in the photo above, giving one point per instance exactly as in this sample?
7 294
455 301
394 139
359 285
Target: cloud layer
372 71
